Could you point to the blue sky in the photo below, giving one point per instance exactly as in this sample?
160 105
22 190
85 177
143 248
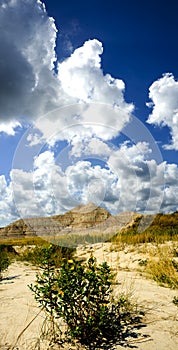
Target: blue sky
89 106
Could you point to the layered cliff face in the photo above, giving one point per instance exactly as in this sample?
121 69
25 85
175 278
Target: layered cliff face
17 228
82 219
83 216
31 227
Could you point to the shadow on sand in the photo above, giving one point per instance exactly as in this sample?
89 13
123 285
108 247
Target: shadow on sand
9 279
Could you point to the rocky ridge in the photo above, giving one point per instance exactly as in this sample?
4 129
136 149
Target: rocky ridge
82 219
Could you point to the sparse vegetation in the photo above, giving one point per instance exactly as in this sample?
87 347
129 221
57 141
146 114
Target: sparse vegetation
54 254
161 264
74 240
175 300
163 228
81 294
157 261
163 271
23 241
68 240
143 262
34 250
6 254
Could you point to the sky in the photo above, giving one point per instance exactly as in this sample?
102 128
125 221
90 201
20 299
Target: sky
88 106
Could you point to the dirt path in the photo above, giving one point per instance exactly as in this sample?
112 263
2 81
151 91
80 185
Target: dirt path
18 308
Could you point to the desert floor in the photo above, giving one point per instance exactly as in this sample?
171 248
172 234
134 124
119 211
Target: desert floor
21 318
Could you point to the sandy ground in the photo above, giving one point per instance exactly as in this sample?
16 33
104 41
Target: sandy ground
19 312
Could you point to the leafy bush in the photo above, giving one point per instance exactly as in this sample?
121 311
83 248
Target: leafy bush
82 296
175 300
53 254
143 262
4 259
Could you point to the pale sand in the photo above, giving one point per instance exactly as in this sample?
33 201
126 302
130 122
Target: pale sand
18 307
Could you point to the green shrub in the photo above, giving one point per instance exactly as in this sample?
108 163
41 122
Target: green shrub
51 253
82 296
4 259
175 300
143 262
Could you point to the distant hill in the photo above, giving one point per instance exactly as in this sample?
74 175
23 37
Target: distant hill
91 219
149 228
159 223
83 219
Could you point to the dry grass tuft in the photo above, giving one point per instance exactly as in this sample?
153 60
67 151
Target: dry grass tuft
163 268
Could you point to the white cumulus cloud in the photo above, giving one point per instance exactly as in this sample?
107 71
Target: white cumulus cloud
76 102
129 182
28 86
164 95
81 76
8 211
34 84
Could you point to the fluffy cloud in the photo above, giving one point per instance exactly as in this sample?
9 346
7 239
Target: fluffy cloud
31 87
75 102
8 211
145 186
27 82
90 147
81 76
164 95
135 177
130 181
90 183
23 193
82 121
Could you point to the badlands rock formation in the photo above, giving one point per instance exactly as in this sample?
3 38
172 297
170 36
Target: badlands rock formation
82 219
